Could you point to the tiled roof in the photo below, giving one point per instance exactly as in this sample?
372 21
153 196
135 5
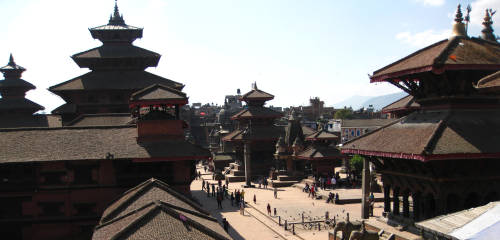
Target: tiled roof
365 123
489 83
257 94
77 143
321 135
454 224
152 210
456 53
109 80
320 152
115 27
106 119
158 92
407 102
117 51
65 108
257 112
148 191
307 130
434 135
19 103
37 120
257 133
160 221
16 83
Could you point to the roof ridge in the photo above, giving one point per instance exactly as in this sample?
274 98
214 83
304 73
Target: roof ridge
450 47
113 220
431 142
126 228
144 185
208 217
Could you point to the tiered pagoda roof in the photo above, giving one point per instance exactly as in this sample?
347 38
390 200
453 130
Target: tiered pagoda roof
117 70
255 120
13 90
456 120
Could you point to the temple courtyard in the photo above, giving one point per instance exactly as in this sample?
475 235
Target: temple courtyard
290 204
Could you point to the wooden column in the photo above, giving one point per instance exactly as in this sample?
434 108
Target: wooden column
248 169
387 198
395 201
416 206
365 204
406 204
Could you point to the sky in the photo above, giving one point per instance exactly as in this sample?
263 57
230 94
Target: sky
293 49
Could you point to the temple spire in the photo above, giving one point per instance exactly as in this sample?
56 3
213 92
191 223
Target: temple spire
254 86
459 26
116 18
487 32
11 61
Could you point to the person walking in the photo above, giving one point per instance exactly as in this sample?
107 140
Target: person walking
254 199
243 195
275 192
208 190
213 190
219 200
203 184
232 199
269 209
242 208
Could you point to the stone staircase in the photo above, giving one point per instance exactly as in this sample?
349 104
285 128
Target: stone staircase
384 235
234 173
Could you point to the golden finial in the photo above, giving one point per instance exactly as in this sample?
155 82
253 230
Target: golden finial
487 32
459 26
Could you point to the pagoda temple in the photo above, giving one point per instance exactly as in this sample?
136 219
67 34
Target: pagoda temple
58 180
117 70
255 134
298 155
15 109
443 157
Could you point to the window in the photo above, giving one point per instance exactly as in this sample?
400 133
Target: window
358 133
352 133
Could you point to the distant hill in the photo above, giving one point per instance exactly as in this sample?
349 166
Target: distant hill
355 102
378 102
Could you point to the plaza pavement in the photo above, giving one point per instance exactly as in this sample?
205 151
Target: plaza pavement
290 204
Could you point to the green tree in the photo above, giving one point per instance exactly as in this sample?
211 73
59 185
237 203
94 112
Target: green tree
356 163
343 113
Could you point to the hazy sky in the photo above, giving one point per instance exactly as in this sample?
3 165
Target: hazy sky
294 49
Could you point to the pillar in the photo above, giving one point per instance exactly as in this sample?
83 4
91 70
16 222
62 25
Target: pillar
387 198
416 206
365 204
395 201
248 169
406 204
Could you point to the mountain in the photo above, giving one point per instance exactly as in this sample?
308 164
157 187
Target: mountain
355 102
378 102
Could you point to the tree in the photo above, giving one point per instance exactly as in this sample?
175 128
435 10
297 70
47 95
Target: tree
343 113
356 163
